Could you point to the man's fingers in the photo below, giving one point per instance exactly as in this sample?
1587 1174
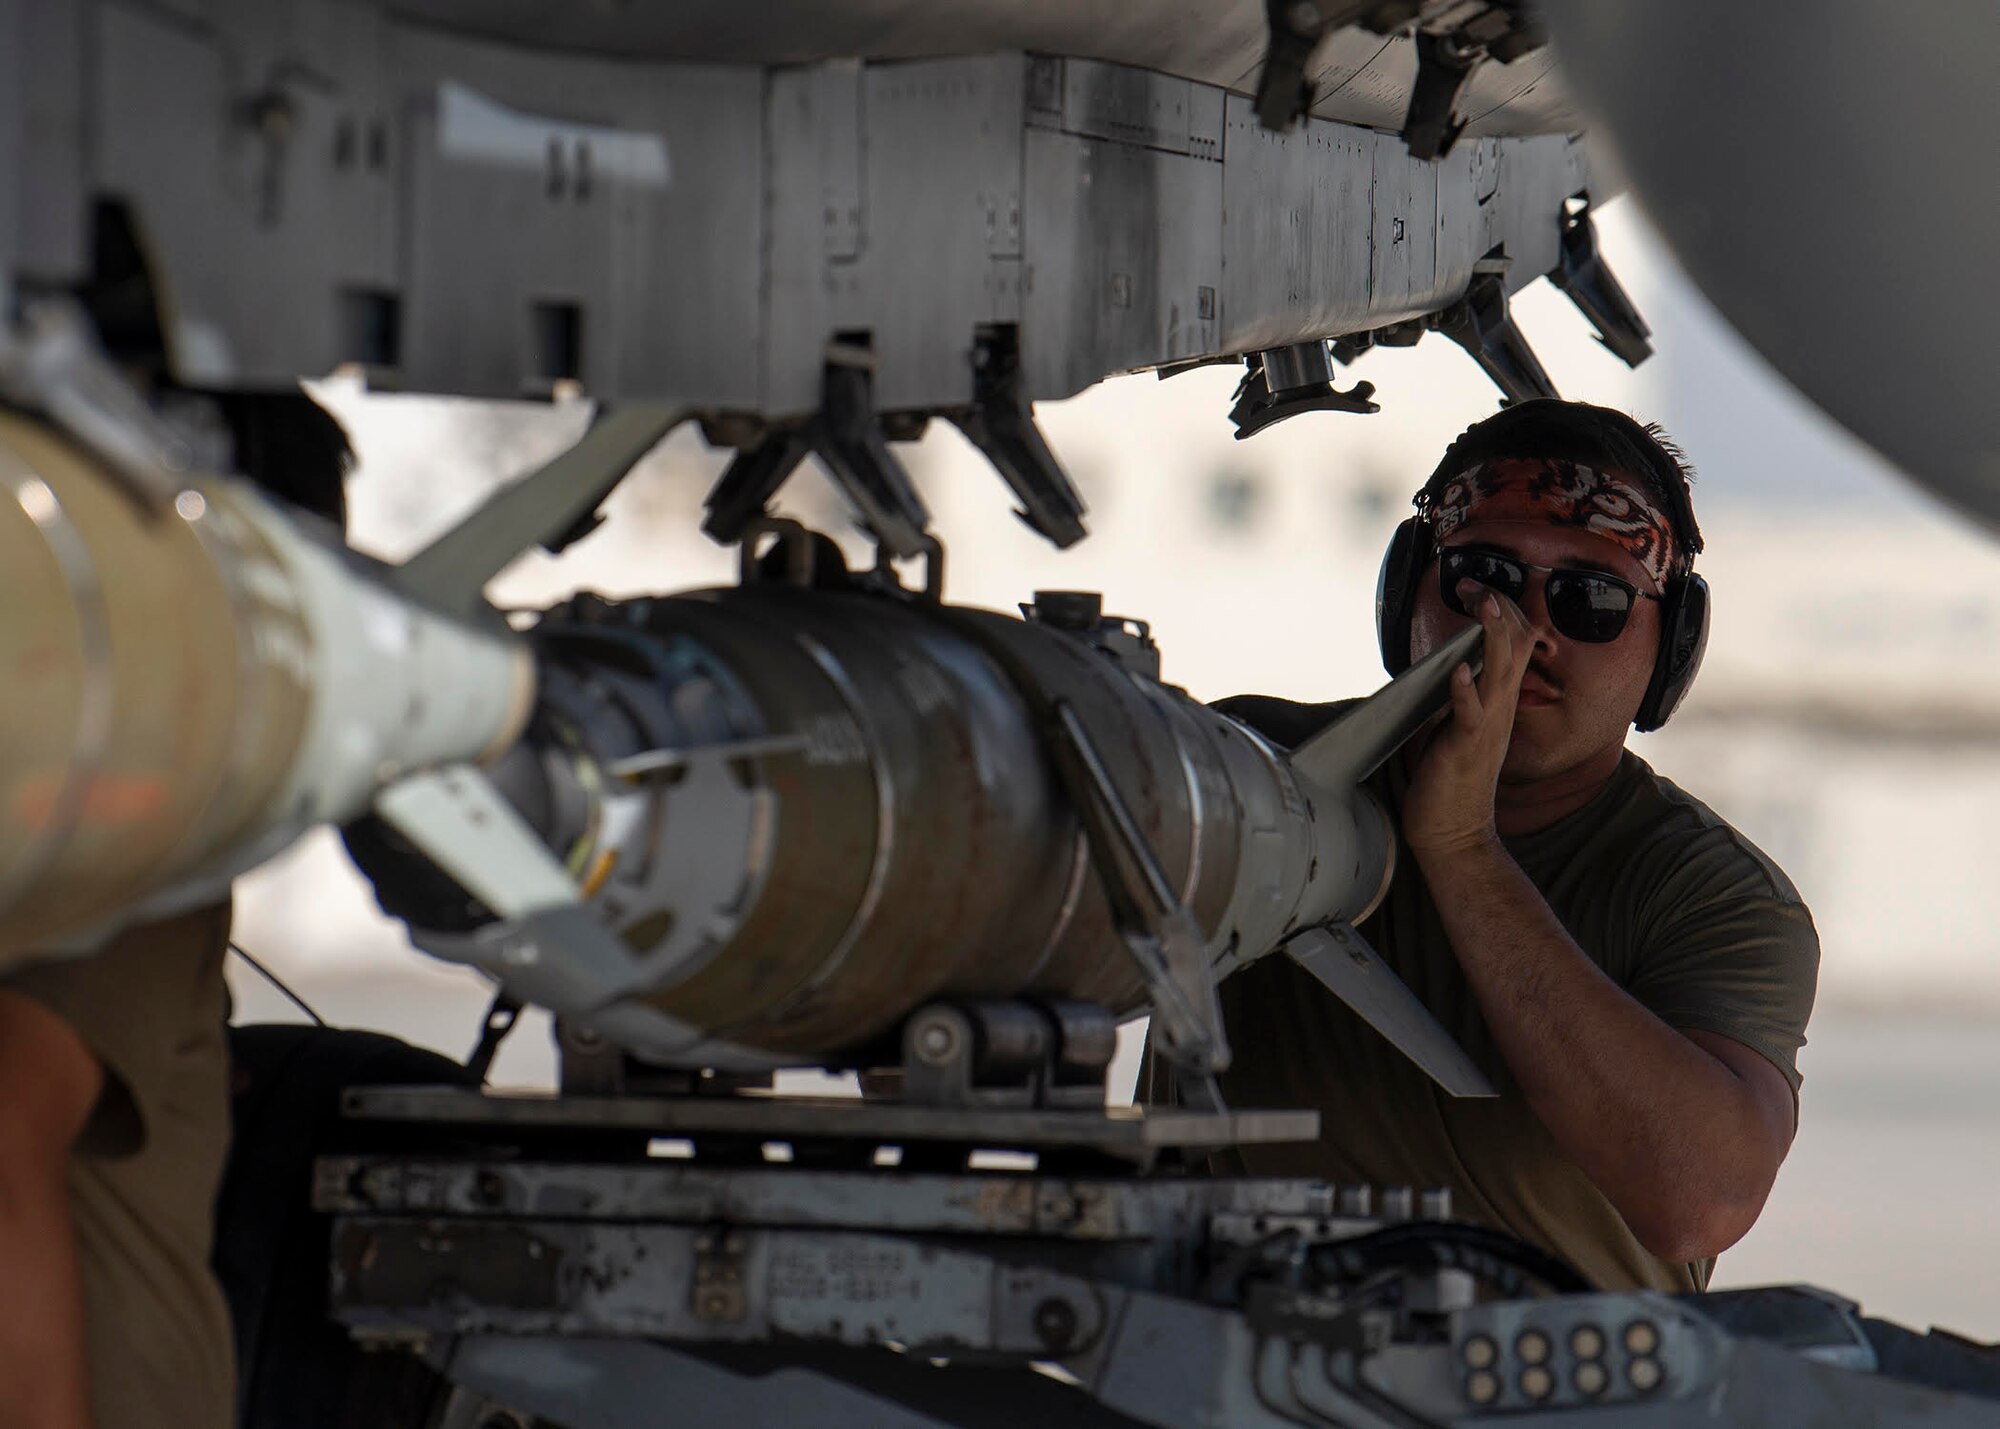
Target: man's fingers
1509 639
1465 705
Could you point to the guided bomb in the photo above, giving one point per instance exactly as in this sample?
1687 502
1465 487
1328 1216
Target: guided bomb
809 805
190 678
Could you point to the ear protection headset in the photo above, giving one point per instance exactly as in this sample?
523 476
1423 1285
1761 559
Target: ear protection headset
1683 621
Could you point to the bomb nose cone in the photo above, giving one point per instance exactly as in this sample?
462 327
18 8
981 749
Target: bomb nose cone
1355 746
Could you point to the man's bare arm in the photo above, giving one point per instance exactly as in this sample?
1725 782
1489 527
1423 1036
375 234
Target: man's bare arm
49 1081
1683 1132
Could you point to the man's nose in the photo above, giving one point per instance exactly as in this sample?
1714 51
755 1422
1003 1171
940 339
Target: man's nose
1535 605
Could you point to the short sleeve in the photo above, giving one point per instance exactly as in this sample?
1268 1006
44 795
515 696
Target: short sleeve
1725 945
136 1003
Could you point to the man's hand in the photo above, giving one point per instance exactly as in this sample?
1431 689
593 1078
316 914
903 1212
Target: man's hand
1449 806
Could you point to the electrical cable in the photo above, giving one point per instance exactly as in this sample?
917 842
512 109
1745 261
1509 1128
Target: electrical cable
1224 1285
277 982
1501 1260
501 1014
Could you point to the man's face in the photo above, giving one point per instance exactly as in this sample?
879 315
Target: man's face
1577 699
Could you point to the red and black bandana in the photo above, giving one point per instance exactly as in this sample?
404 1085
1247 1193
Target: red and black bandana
1561 493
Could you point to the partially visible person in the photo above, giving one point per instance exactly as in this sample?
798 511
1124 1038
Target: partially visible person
114 1114
1632 974
114 1097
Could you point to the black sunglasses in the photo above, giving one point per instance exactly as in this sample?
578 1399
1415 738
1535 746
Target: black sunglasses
1584 605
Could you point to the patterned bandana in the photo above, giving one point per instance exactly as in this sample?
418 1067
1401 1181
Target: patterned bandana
1561 493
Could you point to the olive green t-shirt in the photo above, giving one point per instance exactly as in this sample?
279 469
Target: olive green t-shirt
1679 909
152 1005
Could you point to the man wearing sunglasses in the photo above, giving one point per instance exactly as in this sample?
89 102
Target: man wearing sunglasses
1632 974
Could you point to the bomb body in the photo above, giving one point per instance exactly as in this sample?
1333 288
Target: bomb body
807 812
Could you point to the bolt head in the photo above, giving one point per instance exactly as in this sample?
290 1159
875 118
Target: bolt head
936 1040
1055 1323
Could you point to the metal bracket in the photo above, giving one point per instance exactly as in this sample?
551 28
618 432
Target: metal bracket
1001 424
587 1064
1287 381
1587 280
1080 615
1175 369
790 555
988 1053
742 494
847 438
1350 347
1283 91
1447 56
1480 323
932 551
1293 30
501 1016
1431 125
1158 930
851 446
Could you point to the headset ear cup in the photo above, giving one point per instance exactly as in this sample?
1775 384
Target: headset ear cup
1683 641
1396 591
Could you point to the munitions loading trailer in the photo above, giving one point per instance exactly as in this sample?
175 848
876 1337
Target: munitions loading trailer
730 1255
